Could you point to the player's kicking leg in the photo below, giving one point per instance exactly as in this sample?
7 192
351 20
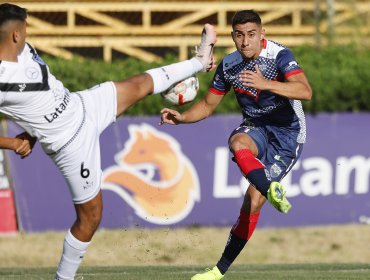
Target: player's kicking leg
160 79
245 151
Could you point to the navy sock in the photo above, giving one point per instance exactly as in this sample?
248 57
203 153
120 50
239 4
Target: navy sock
258 178
253 169
233 248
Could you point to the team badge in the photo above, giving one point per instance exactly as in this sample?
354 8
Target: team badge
275 170
32 73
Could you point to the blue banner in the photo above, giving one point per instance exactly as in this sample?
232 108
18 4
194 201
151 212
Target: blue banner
183 175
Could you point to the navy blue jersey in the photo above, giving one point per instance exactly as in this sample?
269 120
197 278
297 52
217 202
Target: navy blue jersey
276 62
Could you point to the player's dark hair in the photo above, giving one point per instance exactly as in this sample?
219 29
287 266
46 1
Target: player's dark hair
11 12
245 16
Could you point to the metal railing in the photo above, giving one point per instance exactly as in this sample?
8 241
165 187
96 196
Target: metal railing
149 30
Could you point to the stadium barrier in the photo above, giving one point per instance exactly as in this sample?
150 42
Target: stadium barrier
8 222
184 176
8 218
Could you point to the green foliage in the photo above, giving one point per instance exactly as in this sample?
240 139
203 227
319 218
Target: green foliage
338 76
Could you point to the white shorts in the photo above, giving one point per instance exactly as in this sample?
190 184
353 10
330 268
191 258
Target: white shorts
79 160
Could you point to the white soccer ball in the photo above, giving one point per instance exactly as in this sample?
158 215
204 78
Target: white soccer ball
182 92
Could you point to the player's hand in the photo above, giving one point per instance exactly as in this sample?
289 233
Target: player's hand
170 116
253 79
24 144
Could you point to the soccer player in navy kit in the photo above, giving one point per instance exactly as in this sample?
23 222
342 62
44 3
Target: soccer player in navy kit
68 125
268 84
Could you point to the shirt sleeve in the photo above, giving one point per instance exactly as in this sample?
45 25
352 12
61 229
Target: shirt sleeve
287 64
219 85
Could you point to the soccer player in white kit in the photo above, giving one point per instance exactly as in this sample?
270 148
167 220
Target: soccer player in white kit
68 125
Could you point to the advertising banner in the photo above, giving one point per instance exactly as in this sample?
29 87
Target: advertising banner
183 175
8 219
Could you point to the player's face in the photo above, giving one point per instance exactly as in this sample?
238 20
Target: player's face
248 39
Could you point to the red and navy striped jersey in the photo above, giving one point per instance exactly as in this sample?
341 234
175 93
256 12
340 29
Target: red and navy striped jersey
276 62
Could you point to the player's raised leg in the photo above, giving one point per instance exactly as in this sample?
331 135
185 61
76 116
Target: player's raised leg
160 79
245 152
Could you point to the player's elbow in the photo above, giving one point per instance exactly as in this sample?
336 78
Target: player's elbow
307 94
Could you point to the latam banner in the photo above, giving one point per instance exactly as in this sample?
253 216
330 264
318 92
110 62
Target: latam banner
179 176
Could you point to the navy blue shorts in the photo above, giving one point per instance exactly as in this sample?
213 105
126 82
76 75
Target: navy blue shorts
278 150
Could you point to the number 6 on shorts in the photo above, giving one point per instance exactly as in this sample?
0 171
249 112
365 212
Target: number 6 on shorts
84 172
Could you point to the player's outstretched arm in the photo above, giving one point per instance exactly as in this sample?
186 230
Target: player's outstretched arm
9 143
197 112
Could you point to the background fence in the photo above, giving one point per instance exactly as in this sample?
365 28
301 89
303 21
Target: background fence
149 30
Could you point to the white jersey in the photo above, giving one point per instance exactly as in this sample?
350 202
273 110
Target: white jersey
32 97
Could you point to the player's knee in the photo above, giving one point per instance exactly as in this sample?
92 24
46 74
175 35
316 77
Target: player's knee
240 141
132 90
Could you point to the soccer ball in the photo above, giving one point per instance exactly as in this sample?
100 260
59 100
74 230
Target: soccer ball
182 92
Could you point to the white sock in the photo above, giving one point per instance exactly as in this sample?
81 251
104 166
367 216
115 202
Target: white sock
166 76
73 253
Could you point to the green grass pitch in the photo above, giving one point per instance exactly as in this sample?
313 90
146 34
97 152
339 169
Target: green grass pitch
237 272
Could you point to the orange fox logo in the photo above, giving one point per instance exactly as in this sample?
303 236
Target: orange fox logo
153 176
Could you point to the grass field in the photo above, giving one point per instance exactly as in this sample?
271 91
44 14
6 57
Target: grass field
330 252
238 272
